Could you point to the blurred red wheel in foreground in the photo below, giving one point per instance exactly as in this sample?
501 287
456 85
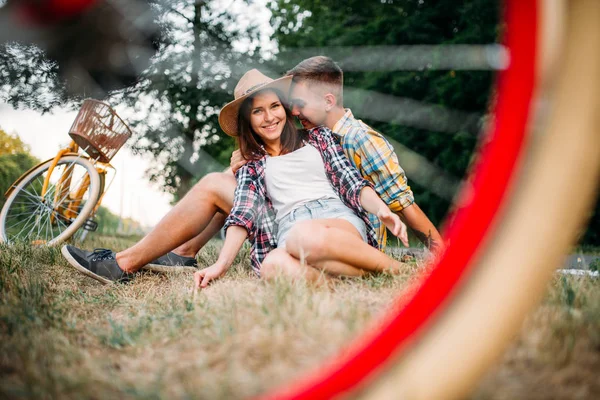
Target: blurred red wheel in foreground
512 229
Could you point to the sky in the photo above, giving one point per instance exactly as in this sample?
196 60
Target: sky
45 134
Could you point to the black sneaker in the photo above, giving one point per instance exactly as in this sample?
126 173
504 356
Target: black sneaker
99 264
172 262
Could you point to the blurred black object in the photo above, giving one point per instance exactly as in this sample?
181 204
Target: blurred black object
99 45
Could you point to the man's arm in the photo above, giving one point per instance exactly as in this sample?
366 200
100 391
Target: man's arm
379 161
237 161
422 227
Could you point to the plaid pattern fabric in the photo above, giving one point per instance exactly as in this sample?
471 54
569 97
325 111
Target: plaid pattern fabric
253 210
375 159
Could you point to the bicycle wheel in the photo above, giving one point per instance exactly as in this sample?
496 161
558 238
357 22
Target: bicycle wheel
53 218
81 235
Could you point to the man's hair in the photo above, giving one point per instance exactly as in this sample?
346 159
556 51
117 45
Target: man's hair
323 72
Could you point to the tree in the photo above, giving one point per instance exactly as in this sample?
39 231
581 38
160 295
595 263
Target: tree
11 144
28 79
14 161
174 104
55 52
178 99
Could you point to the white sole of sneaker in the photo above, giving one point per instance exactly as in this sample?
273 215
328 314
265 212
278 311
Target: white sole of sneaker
169 268
81 269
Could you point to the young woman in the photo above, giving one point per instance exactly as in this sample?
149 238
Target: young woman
299 199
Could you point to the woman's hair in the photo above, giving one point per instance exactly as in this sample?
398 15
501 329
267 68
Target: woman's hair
251 145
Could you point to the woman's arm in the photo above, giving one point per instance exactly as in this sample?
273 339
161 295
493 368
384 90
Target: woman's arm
238 225
234 239
371 202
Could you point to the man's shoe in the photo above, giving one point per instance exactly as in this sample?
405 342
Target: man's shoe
172 262
99 264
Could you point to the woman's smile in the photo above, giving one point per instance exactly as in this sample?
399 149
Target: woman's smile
272 127
268 116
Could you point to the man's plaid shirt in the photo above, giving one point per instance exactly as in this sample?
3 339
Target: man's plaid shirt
375 159
253 210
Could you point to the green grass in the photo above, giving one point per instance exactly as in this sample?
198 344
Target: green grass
63 335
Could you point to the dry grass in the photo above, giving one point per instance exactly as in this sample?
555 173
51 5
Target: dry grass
63 335
557 354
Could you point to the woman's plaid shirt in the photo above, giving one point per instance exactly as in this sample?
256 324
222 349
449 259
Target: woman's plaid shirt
253 210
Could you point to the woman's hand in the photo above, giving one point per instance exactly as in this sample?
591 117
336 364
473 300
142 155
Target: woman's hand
234 238
393 223
203 277
373 204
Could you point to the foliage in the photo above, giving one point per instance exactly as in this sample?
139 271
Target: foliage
108 222
592 233
177 101
28 79
14 161
11 144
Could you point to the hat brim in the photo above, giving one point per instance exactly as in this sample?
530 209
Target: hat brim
228 117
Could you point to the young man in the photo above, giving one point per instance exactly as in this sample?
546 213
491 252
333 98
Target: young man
317 99
201 213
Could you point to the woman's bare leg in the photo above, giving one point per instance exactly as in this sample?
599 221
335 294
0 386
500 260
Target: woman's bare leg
279 263
335 246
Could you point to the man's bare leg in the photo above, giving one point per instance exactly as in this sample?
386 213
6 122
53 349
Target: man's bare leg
188 219
192 246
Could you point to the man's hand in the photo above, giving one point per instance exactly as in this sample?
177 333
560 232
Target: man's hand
394 224
203 277
237 161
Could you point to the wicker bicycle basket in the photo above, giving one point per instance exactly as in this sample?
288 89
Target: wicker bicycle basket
99 131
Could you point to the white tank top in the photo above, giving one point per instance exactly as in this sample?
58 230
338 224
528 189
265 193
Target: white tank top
295 179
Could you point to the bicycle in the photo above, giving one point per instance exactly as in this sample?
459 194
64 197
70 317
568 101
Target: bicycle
49 203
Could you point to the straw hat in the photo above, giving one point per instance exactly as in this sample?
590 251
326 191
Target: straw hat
250 83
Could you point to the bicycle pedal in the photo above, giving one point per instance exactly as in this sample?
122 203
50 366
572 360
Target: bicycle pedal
90 225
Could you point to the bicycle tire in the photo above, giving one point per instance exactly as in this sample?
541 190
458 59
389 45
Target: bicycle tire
84 233
35 211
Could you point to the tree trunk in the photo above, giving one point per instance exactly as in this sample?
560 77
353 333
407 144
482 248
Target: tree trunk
186 176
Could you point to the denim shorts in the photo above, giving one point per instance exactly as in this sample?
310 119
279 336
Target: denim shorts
319 209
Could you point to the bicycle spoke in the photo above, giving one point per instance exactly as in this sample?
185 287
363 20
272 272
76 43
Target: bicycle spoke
27 223
58 227
34 197
14 225
48 225
67 194
25 202
39 226
20 214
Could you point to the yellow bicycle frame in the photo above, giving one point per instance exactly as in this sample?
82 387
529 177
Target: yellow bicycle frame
62 193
